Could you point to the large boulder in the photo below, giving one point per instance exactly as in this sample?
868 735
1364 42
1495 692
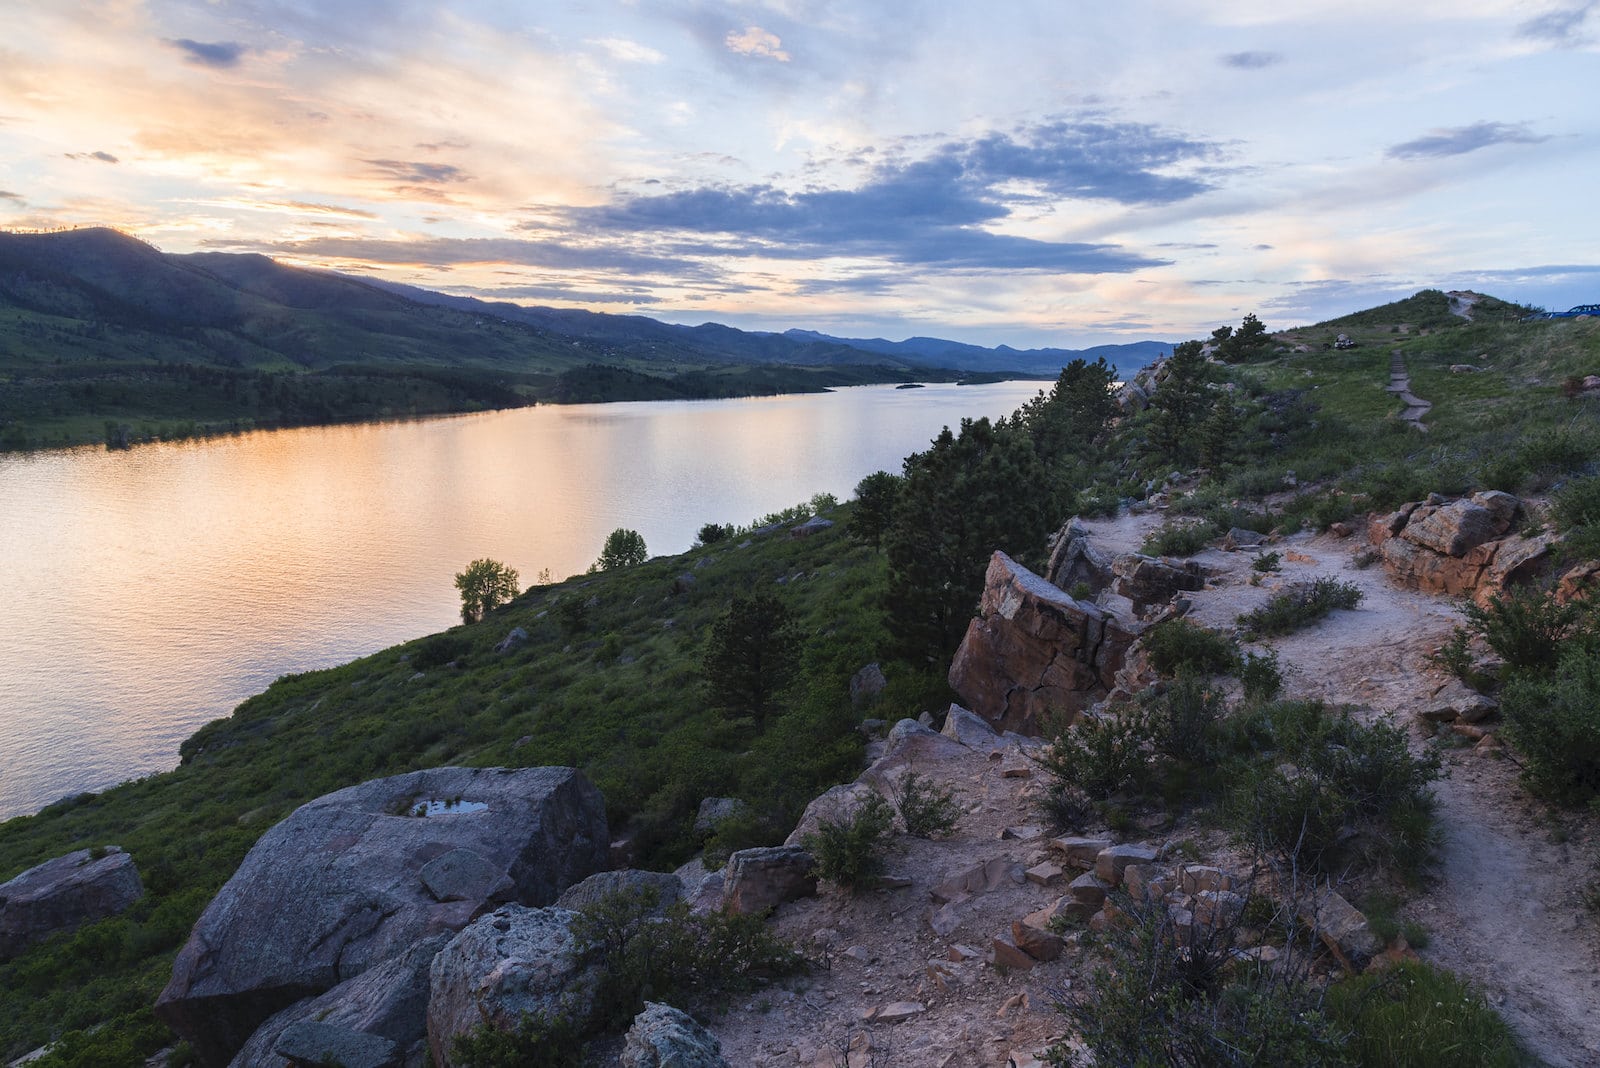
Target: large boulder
357 877
664 1037
382 1009
757 880
664 885
1074 559
1033 648
64 894
1460 547
1147 580
513 962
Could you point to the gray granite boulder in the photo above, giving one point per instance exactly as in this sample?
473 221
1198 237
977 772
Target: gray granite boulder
357 877
666 886
64 894
382 1009
664 1037
513 962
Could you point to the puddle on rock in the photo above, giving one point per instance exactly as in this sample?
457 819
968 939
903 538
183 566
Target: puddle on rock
456 807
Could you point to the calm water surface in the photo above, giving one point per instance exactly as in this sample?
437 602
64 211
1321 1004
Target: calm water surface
145 593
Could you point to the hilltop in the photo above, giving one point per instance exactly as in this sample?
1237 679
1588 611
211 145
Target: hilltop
1298 452
103 338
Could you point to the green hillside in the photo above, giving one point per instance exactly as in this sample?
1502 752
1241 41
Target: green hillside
610 677
105 339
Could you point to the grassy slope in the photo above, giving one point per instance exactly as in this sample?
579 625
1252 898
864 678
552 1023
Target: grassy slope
622 699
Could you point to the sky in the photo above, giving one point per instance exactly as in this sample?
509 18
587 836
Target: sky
1027 173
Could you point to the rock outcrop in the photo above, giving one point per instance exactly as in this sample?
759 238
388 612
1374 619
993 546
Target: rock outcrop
1460 547
762 879
664 1037
1034 648
357 877
667 888
382 1009
64 894
513 962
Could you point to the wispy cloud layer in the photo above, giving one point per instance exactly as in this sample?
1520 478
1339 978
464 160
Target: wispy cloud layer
1460 140
1035 173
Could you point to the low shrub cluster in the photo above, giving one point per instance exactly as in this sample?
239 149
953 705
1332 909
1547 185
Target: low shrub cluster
850 851
927 809
1316 788
640 951
1299 606
1176 539
1180 646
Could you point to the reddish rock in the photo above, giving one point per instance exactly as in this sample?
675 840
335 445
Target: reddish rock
1034 649
1038 943
1578 583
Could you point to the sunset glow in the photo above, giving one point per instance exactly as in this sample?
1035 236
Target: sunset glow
1037 173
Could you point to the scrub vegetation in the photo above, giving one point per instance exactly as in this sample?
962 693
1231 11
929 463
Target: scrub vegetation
625 675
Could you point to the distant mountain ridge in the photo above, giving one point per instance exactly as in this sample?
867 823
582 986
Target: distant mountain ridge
105 337
1128 356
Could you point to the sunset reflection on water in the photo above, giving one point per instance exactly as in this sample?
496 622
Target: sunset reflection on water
147 592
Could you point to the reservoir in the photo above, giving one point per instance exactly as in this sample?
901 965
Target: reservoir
145 593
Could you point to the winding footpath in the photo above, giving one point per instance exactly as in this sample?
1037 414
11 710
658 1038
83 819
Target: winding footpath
1505 905
1400 385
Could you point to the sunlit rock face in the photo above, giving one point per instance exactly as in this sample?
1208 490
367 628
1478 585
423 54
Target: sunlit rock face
1034 649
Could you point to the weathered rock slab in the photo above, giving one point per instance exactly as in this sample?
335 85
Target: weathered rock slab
1034 649
762 879
64 894
512 962
664 1037
388 1003
337 888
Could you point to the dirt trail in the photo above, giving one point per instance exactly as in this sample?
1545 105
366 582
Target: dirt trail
1400 385
1504 909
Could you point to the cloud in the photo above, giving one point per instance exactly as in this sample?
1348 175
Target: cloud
1252 60
103 157
556 292
418 173
1562 27
288 207
932 211
625 51
15 198
754 41
1459 140
442 252
219 55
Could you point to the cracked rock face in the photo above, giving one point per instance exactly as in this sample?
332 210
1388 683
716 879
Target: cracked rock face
1034 648
355 878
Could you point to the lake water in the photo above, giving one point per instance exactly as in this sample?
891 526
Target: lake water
145 593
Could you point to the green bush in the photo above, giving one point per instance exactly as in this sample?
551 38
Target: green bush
1099 757
1577 512
1267 562
1554 722
1162 1000
1179 539
850 851
711 533
1321 786
438 651
1418 1016
540 1041
1262 676
1299 606
1183 720
1180 646
1529 628
927 809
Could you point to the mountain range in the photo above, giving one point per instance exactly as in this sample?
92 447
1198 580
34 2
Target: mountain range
100 330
